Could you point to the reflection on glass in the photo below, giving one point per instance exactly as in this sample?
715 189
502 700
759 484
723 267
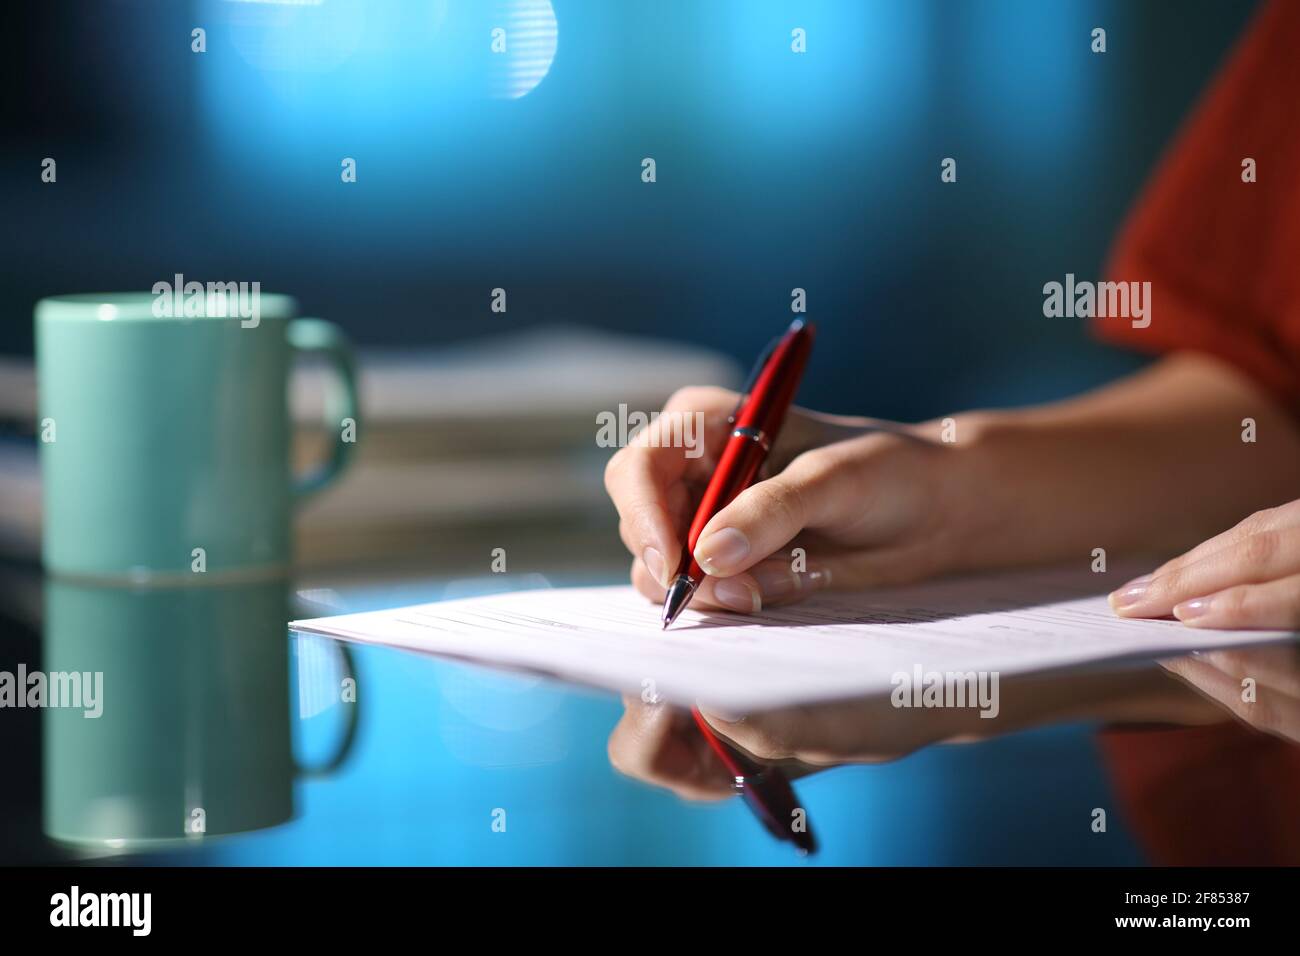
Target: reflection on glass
194 736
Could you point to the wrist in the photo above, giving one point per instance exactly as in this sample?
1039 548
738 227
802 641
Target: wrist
978 500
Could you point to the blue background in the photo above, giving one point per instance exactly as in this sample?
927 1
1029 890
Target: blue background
774 171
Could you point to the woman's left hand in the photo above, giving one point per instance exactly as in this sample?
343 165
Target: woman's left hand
1246 577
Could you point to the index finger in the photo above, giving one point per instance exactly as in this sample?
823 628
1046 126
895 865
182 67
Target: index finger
641 477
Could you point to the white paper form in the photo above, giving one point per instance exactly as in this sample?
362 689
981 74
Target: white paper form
833 646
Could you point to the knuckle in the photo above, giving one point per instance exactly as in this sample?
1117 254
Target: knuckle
1171 584
1256 521
765 740
814 468
767 747
783 499
1260 548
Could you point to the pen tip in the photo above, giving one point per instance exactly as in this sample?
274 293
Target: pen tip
679 594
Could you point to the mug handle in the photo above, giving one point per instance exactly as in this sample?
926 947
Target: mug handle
341 403
352 722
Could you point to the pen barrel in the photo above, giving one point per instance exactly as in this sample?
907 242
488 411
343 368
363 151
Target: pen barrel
766 789
774 388
755 425
737 468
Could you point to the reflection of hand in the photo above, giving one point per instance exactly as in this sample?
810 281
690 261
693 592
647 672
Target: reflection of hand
866 506
660 744
1246 577
1260 685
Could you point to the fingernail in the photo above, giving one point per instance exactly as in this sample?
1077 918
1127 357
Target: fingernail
1130 594
1188 610
817 579
738 595
722 551
654 563
778 583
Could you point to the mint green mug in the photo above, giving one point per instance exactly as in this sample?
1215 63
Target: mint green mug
164 433
190 734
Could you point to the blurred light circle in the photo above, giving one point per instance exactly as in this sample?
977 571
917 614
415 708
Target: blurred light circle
531 36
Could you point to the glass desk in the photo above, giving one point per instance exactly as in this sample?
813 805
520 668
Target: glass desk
225 740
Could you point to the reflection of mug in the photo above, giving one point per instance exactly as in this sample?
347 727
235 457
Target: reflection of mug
165 441
194 735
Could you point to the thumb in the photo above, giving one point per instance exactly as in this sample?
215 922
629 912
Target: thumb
764 517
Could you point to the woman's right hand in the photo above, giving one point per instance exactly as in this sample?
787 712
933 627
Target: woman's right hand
868 502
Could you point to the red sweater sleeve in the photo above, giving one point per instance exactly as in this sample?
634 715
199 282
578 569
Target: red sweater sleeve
1223 259
1223 255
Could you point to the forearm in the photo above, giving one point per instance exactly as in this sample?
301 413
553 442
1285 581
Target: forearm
1146 695
1150 464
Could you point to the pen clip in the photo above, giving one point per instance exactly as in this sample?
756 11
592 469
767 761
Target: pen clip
752 377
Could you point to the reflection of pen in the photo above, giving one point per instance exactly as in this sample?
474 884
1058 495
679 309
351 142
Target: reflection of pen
754 427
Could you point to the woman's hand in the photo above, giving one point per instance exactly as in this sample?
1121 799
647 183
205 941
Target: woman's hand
867 506
1258 685
1247 577
660 744
871 503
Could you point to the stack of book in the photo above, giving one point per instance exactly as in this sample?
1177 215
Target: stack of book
457 447
497 436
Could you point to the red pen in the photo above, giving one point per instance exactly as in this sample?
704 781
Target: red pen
754 427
